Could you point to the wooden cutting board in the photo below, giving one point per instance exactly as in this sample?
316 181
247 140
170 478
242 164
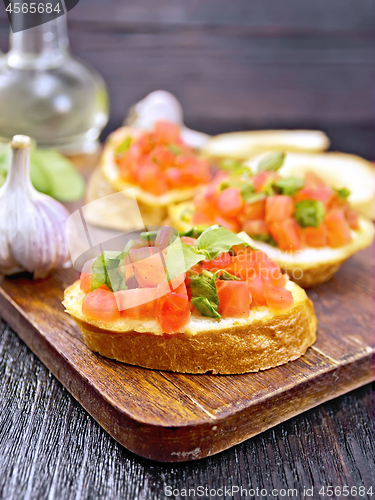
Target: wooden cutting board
173 417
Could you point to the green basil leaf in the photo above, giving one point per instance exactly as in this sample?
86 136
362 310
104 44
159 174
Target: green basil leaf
116 278
222 274
288 185
205 307
148 235
50 172
247 191
203 285
254 197
124 146
309 213
216 240
176 150
194 232
343 193
109 269
180 258
99 275
229 164
265 237
271 162
55 175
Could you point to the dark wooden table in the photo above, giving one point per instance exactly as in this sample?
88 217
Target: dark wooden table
51 448
233 65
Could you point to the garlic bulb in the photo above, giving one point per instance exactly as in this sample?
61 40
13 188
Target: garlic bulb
32 224
162 105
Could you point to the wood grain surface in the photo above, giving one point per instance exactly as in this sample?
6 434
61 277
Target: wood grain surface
173 417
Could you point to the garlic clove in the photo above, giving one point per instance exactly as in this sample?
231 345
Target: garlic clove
33 227
162 105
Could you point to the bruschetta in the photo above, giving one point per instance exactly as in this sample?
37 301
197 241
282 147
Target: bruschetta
305 225
158 165
205 303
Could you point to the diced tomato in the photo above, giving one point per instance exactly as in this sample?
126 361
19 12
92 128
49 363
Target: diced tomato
229 222
129 161
194 170
145 143
287 234
255 227
188 241
162 156
222 261
230 202
256 285
101 305
85 282
338 228
255 211
279 208
206 206
167 133
199 218
151 179
164 236
137 303
352 218
234 298
312 180
212 190
278 298
173 312
173 177
129 270
316 236
148 266
323 193
263 178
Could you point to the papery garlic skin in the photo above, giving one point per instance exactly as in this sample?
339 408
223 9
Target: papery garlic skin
32 225
162 105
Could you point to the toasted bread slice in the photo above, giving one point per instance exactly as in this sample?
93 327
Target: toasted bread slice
228 345
309 267
338 170
243 145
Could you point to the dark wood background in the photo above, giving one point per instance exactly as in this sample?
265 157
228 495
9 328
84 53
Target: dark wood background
234 65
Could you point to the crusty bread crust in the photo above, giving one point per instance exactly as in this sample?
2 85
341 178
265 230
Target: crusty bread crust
228 346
